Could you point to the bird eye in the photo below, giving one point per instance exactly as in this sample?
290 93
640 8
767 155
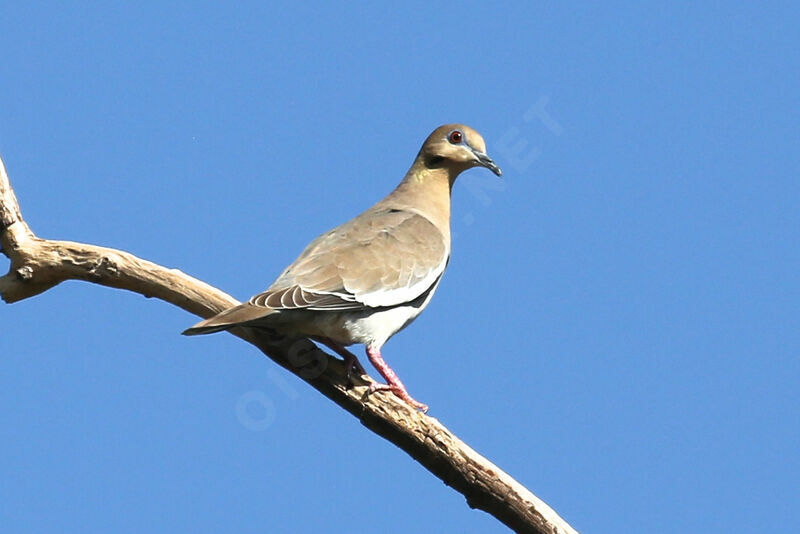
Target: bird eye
455 137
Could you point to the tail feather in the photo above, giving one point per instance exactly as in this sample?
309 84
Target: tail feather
199 330
243 313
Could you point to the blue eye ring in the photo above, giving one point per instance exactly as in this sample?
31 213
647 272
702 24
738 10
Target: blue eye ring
455 137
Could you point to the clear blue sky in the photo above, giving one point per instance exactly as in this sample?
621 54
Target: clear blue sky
618 327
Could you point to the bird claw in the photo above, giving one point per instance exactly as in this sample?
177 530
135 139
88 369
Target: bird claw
400 392
350 365
350 360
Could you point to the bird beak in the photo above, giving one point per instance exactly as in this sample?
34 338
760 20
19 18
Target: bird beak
486 161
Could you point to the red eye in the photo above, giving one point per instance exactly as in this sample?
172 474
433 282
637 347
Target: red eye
455 137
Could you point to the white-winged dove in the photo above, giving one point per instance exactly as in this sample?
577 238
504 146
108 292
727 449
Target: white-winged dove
366 280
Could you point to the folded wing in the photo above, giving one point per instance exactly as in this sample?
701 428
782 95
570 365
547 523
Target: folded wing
380 259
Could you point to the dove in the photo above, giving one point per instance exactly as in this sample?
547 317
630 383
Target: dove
369 278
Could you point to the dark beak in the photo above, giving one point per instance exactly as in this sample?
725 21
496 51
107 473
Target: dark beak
486 161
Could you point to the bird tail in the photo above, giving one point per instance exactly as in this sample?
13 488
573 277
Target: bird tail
236 316
200 329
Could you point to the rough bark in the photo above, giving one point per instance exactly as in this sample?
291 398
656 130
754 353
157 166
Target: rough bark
40 264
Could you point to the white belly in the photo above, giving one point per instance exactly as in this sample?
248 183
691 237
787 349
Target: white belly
377 328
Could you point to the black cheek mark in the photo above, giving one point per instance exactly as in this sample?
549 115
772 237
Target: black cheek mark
434 162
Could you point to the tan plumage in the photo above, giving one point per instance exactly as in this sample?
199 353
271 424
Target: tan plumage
367 279
385 257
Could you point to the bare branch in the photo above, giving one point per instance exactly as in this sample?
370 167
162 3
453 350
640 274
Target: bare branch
39 264
9 207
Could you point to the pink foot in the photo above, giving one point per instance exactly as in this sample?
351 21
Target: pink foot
394 384
350 360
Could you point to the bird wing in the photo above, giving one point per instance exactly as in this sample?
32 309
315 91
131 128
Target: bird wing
385 257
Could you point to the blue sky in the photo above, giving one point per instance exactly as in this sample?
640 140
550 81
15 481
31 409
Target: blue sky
618 326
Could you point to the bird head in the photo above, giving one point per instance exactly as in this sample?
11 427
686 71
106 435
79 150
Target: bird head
457 147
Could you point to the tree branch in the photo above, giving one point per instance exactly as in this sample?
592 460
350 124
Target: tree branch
40 264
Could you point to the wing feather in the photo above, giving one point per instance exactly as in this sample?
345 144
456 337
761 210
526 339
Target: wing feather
382 258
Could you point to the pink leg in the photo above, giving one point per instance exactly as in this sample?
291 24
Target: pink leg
394 383
350 360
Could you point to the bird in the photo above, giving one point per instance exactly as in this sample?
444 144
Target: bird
367 279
